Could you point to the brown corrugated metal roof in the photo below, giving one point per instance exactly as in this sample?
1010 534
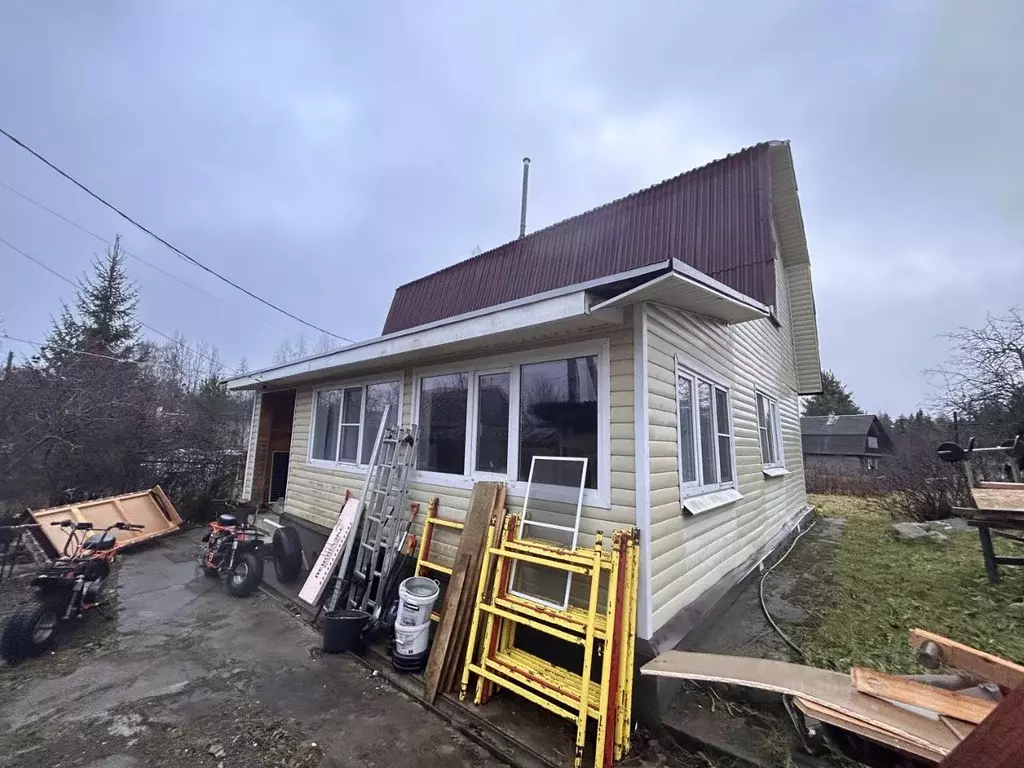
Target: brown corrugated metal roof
717 219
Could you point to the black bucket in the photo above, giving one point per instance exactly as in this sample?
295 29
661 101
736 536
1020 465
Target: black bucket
343 630
409 665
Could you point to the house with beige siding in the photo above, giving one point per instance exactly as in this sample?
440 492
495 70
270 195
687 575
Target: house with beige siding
665 337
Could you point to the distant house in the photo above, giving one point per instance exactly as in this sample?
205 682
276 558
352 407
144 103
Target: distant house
844 444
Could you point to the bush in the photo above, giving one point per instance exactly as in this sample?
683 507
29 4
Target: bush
921 486
836 484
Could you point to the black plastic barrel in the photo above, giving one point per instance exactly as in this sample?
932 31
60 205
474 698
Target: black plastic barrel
343 630
409 665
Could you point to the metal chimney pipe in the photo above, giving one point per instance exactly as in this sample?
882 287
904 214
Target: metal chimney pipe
526 184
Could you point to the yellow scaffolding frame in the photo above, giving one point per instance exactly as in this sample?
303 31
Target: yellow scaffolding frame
606 630
423 565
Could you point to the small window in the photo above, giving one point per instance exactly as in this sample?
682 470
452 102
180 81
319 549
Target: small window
769 428
558 413
324 444
706 461
442 422
492 422
345 420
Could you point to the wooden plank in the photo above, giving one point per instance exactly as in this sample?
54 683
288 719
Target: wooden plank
454 668
996 743
862 728
1005 499
441 648
825 688
321 572
985 665
959 728
950 703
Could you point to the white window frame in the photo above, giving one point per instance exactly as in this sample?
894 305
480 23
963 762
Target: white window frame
512 363
698 487
773 413
357 465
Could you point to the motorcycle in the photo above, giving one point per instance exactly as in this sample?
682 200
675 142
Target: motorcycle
65 589
236 550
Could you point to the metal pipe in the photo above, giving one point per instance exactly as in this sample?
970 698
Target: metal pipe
526 185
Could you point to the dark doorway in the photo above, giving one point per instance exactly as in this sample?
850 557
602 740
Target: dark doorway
278 475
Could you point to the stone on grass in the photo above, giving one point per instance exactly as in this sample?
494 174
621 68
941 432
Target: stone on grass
1016 610
917 533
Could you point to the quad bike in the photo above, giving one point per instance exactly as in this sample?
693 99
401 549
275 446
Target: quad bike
238 550
65 589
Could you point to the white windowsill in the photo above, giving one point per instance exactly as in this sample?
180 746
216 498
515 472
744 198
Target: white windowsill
706 502
775 471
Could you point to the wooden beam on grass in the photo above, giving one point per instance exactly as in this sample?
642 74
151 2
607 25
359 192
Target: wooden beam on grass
950 703
984 665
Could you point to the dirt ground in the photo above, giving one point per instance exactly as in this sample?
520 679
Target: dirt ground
175 672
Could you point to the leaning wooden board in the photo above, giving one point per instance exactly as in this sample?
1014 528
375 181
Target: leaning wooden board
485 497
441 645
828 689
151 509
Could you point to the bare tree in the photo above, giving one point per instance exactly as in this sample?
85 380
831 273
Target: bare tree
984 378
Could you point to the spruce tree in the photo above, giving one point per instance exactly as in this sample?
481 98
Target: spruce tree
106 304
833 400
65 337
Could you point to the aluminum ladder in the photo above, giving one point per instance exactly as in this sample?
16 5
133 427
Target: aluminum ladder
385 518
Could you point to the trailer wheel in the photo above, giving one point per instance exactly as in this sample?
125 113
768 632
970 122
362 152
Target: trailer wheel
246 575
287 554
29 631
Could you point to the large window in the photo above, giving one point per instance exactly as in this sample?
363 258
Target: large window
442 420
769 428
558 413
345 420
705 434
493 418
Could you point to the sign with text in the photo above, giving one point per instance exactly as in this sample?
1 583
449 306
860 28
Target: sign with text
332 552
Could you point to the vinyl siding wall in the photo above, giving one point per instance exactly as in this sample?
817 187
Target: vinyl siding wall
690 553
317 494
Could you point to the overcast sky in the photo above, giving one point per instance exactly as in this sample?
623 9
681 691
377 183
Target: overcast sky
322 153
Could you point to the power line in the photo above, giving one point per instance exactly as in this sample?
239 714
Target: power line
159 239
103 240
48 345
75 285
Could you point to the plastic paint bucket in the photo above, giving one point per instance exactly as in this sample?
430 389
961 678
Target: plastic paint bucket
416 598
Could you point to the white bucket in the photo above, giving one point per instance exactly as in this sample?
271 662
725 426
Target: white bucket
416 598
412 641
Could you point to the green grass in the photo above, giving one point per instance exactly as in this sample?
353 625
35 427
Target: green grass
880 588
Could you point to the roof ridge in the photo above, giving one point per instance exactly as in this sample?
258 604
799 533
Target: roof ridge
632 195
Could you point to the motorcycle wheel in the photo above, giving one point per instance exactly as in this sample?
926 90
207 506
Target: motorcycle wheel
246 575
29 631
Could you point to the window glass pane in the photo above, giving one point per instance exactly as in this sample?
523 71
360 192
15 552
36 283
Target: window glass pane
767 445
558 413
724 438
725 457
377 397
687 440
492 423
352 404
327 410
442 420
350 442
776 433
705 417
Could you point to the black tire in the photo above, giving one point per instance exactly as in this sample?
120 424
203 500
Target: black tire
287 554
246 574
29 631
